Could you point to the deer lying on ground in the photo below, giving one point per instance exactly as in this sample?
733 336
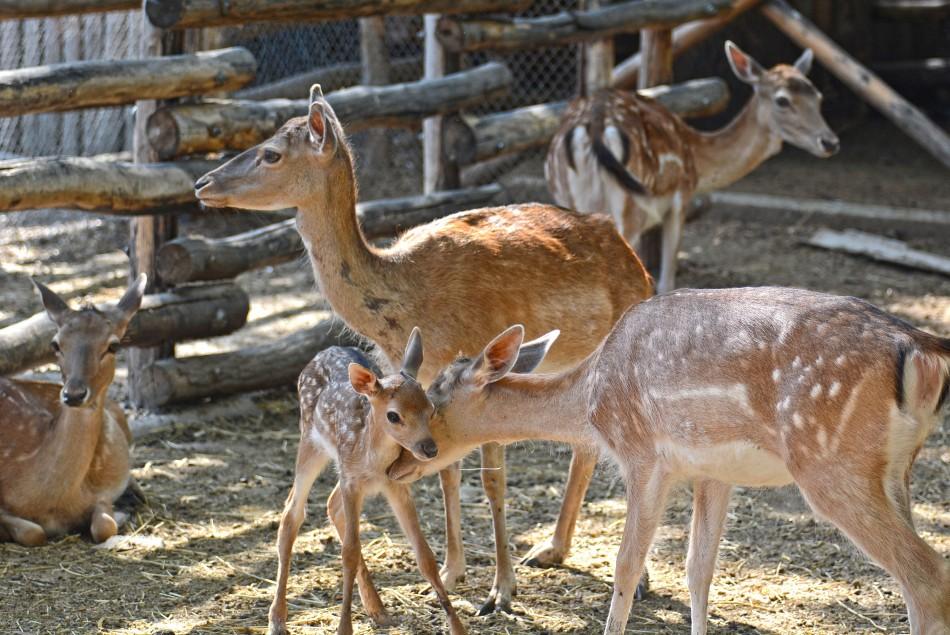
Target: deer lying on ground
628 156
362 434
65 449
750 387
461 279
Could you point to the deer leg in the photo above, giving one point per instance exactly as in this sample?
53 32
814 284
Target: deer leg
103 525
369 596
493 481
310 462
453 571
672 232
647 487
402 505
710 503
352 553
22 531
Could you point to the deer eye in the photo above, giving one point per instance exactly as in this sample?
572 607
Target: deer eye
783 102
55 346
113 347
271 156
393 416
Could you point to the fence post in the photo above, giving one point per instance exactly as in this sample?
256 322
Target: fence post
438 171
375 72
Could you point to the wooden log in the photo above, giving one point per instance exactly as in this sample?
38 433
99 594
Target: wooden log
861 80
913 9
97 83
21 9
374 57
330 78
180 14
440 168
97 185
261 367
189 259
235 125
516 130
568 27
879 248
685 37
932 72
187 313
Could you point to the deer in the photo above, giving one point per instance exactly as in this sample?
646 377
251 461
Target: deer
441 276
360 420
65 447
627 155
756 387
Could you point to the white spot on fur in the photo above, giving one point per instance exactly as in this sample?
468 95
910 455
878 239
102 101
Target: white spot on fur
815 391
798 421
839 361
737 393
834 389
776 375
797 362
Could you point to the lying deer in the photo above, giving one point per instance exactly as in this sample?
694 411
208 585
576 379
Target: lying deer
442 276
362 434
751 387
627 155
65 449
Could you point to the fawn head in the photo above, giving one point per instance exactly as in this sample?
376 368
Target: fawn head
87 340
399 403
305 155
787 100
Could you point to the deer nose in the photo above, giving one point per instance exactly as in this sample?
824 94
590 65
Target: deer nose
428 449
74 395
829 145
200 183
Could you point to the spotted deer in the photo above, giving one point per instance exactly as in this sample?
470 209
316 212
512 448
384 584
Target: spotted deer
751 387
627 155
65 448
461 279
360 421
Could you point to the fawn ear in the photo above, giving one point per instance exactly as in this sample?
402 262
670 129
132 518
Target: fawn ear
745 68
363 380
499 356
319 119
412 358
56 308
803 63
532 353
130 301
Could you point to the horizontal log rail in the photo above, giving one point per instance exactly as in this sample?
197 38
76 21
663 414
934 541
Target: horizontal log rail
182 130
180 14
187 313
189 259
20 9
97 83
505 34
330 78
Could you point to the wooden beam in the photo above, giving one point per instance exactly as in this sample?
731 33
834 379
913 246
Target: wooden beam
330 78
180 14
931 72
236 125
458 35
186 313
879 248
97 83
374 56
440 169
861 80
21 9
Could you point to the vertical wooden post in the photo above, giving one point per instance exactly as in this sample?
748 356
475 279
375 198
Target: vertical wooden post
597 58
438 171
656 67
375 72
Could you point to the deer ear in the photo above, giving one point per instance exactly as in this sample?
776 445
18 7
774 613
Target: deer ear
803 63
56 308
532 353
745 68
363 380
318 120
499 356
131 300
412 358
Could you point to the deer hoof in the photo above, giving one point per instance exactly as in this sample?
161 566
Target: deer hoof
544 554
276 628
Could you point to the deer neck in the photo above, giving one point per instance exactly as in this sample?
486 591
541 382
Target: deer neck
728 154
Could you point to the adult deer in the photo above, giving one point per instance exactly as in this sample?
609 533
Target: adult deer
750 387
627 155
461 279
360 421
65 449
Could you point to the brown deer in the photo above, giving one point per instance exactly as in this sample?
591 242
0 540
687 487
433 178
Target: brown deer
462 279
627 155
360 421
751 387
65 448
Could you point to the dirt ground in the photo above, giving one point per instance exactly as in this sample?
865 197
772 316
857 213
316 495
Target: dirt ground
201 557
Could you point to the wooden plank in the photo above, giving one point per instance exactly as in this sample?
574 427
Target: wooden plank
374 57
879 248
20 9
439 171
330 78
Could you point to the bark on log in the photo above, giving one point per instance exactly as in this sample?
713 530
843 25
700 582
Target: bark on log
330 78
861 80
92 84
179 14
187 313
20 9
571 26
95 185
256 368
190 259
516 130
237 125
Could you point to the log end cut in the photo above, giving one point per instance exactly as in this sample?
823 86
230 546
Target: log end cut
163 134
164 14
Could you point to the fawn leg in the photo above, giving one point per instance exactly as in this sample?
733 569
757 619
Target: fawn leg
453 571
710 504
310 462
400 500
22 531
103 526
352 553
493 482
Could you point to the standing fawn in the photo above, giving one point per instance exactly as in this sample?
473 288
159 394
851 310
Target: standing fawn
65 449
362 434
628 156
538 265
750 387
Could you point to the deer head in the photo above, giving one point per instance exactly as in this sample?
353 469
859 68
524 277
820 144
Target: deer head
306 155
86 341
788 103
399 402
